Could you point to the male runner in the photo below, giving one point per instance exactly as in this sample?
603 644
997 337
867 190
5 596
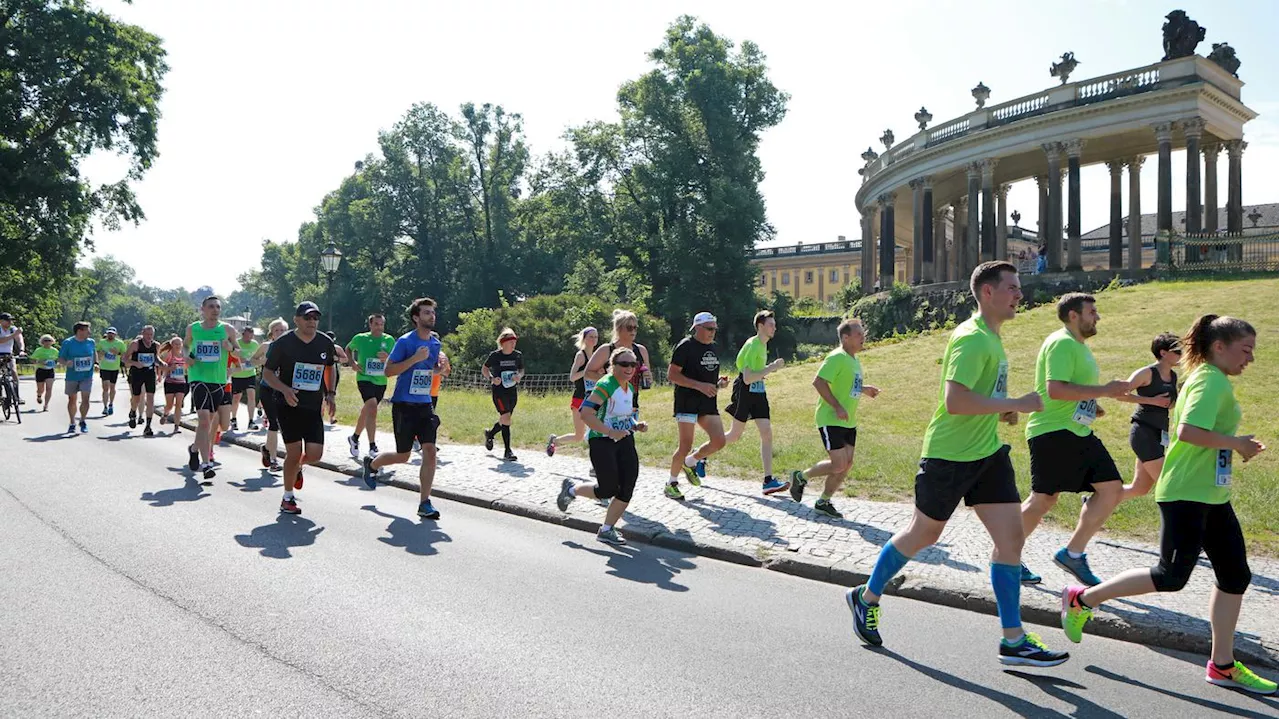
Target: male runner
695 372
10 344
413 361
369 351
749 400
963 459
110 350
209 344
244 381
295 368
141 357
77 355
1066 456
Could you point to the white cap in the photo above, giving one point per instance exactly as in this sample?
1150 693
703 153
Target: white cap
703 318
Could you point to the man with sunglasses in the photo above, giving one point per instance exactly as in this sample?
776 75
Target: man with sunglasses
209 343
695 372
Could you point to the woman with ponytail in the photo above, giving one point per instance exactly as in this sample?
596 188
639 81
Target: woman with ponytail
585 341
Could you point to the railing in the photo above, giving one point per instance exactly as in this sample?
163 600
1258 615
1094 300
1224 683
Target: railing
537 383
1219 253
1010 111
1123 83
948 131
819 248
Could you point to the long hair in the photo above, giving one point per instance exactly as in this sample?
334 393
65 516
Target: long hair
1197 343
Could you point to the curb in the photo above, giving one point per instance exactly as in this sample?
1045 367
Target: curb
827 570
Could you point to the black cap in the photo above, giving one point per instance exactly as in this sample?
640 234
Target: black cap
305 308
6 316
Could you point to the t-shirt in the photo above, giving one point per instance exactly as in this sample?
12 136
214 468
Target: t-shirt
112 351
45 357
1192 473
368 367
1063 358
6 339
843 372
414 384
79 356
505 367
974 358
753 356
207 362
244 354
697 361
301 365
615 408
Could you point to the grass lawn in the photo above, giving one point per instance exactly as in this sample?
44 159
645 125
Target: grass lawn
891 426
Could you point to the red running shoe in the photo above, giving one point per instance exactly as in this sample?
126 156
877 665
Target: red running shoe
288 506
297 483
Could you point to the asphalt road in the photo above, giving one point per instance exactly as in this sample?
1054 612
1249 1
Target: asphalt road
129 590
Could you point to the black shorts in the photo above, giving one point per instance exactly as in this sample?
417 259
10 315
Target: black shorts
226 396
838 437
44 374
505 399
270 407
689 405
142 380
109 375
371 390
410 421
745 404
206 396
942 483
435 402
1063 461
300 424
176 387
1147 442
1186 529
240 384
617 466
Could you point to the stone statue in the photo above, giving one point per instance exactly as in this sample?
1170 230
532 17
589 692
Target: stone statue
1181 35
1225 56
1064 67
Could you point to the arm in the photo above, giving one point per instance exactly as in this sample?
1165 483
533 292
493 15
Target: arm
961 400
824 391
1142 378
1244 445
578 370
588 414
595 365
128 352
397 367
1060 390
259 358
187 345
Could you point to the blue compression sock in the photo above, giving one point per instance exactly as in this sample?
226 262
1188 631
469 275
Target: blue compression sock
1006 582
890 562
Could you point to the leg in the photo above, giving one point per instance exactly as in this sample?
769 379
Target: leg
1094 513
371 420
48 393
714 427
179 400
292 463
1004 523
922 532
150 399
1224 545
427 472
504 422
205 420
1182 532
312 452
235 406
1145 475
84 405
736 429
683 447
1033 510
766 445
841 461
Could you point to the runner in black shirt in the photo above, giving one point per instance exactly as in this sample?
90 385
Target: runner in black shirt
504 368
695 372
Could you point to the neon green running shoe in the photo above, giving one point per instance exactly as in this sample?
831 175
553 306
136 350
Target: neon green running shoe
672 491
1074 614
1238 678
691 474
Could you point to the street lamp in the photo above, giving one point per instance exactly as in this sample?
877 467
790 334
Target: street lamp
329 260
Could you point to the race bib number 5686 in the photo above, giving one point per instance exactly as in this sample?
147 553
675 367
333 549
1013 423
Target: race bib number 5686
306 376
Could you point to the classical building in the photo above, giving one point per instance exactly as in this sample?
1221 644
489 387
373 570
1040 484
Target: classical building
817 270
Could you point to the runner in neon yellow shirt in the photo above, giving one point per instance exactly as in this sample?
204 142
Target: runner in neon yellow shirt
749 401
110 351
369 352
209 344
45 358
244 381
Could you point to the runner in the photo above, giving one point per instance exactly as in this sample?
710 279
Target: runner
141 359
749 400
11 343
210 344
963 459
585 341
412 362
300 355
625 328
244 381
110 350
607 413
1157 390
45 358
270 399
840 386
695 372
504 368
77 355
1066 456
174 369
1194 497
369 351
332 375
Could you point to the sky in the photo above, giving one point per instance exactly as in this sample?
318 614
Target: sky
269 103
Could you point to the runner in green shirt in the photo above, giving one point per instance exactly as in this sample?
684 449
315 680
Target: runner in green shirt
840 386
244 381
369 352
964 460
1194 497
110 350
749 400
208 343
45 358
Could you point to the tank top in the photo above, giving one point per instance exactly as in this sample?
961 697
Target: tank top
635 376
580 384
177 369
206 352
1151 415
143 349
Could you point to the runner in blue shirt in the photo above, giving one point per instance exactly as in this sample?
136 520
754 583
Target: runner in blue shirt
77 355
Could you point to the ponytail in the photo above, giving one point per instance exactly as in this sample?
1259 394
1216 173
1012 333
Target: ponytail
1197 343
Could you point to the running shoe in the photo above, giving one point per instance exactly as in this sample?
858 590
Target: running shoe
1238 677
109 411
353 445
133 419
207 470
266 457
164 418
297 483
235 426
591 473
672 491
798 482
488 441
276 467
1029 577
1030 651
253 426
1074 614
217 437
866 617
146 432
566 495
824 506
288 506
611 536
71 428
426 511
1078 568
84 427
508 456
417 446
692 475
373 450
773 486
370 473
551 446
700 469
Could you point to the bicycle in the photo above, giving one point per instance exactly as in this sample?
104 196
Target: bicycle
9 390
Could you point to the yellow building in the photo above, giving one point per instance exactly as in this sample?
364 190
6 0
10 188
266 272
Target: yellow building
816 270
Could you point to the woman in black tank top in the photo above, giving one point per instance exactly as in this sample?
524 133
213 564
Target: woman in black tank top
585 341
1155 389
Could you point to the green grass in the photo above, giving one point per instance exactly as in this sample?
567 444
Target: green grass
891 426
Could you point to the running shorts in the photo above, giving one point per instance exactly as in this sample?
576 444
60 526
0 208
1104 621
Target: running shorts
1147 442
941 484
371 390
410 421
300 424
1063 461
834 437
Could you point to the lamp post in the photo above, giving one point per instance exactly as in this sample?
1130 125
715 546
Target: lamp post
329 260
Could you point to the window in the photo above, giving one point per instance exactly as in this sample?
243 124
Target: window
764 279
808 277
835 277
786 278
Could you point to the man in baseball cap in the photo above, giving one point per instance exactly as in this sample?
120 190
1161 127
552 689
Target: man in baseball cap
695 372
110 351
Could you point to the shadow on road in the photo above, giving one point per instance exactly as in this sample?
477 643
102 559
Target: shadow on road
418 537
1017 705
637 565
513 469
116 437
190 491
49 437
1056 687
276 539
256 484
1206 703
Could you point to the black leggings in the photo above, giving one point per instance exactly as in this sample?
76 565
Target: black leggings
1188 527
617 467
270 408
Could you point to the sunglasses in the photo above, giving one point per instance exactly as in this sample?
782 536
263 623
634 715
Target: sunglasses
313 317
626 364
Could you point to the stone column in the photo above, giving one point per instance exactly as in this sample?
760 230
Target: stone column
972 256
1115 259
959 222
917 230
1073 148
886 239
926 219
1235 201
1042 201
1211 186
1053 238
866 271
1193 128
1002 220
1164 177
1135 211
988 209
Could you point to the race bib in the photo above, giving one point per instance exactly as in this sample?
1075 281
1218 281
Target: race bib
1164 438
508 378
82 364
306 376
1001 390
208 351
420 382
375 367
757 387
179 373
1086 412
109 356
146 360
50 364
856 390
1222 477
588 385
623 423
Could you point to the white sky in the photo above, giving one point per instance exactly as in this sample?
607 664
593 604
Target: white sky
270 102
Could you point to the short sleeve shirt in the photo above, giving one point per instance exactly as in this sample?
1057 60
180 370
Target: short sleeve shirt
697 361
1063 358
1192 473
843 373
505 367
79 356
301 365
45 357
112 352
368 367
974 358
616 410
414 384
753 357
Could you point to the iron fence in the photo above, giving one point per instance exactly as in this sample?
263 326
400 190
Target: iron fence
1219 253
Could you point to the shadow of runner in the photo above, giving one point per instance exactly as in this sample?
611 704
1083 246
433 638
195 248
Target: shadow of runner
1017 705
190 491
637 565
733 522
414 537
1056 687
256 484
513 469
1206 703
117 437
49 437
1160 616
275 539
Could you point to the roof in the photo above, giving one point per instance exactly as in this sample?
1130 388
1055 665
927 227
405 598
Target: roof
1270 218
